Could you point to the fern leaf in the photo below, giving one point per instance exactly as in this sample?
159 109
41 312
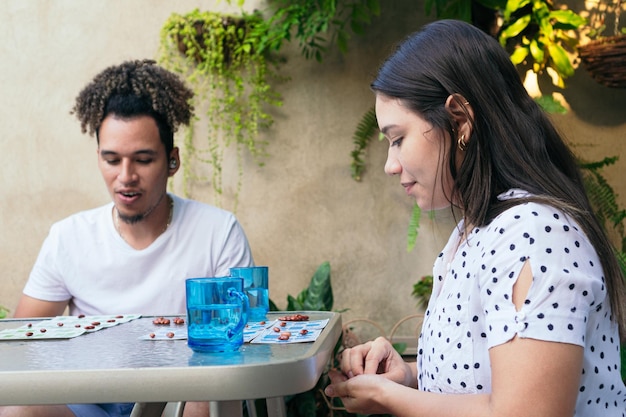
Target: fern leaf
361 138
414 225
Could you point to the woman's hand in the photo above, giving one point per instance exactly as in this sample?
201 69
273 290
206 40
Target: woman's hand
362 394
366 372
377 357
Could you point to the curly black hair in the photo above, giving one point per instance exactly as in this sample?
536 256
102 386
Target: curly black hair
136 88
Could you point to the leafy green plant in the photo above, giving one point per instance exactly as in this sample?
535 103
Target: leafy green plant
229 63
318 296
4 312
314 24
422 290
361 138
604 200
231 78
538 31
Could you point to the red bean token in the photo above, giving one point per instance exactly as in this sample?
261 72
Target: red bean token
294 317
29 333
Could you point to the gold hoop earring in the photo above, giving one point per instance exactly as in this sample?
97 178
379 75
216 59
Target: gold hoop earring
462 144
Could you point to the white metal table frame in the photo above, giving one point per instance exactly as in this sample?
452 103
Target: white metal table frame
114 365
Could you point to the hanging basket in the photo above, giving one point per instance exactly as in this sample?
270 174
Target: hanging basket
227 41
605 60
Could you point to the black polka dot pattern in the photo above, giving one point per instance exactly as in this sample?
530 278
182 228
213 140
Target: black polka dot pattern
471 309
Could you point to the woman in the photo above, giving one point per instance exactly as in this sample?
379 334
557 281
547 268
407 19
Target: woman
527 302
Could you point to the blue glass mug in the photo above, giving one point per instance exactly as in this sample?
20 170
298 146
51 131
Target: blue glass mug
217 313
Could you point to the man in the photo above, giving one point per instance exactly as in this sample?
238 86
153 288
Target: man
133 254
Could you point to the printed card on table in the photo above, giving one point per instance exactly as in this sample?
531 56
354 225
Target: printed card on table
291 332
65 327
168 332
277 331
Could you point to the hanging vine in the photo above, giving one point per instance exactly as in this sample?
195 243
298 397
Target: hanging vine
231 78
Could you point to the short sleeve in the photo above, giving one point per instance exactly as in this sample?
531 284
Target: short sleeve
235 250
567 276
46 278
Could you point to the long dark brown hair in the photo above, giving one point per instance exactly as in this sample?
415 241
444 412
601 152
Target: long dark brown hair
513 143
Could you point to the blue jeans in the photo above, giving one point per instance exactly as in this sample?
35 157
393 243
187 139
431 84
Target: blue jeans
102 410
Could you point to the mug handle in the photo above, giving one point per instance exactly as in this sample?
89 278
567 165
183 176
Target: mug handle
245 303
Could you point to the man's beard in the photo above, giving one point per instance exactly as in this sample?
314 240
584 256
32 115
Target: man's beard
136 218
131 219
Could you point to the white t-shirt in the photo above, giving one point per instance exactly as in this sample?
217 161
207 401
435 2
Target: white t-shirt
85 260
471 308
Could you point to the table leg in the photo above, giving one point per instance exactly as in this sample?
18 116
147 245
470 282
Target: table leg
225 409
147 410
276 407
251 407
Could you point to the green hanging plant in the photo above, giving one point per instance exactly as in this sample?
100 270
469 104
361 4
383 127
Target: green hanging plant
365 130
604 200
231 80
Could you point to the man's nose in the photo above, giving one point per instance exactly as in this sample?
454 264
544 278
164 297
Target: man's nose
127 172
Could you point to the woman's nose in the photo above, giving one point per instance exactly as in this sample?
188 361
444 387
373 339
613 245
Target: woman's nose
392 165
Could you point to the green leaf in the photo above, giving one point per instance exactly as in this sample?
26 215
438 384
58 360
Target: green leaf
342 41
414 225
515 28
512 6
567 18
273 306
399 347
361 138
536 51
519 55
560 59
607 161
374 6
293 304
550 104
357 27
319 295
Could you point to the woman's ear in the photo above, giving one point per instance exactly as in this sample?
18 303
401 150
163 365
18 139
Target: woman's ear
462 115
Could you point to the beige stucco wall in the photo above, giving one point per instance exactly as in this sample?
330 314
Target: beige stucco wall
300 209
